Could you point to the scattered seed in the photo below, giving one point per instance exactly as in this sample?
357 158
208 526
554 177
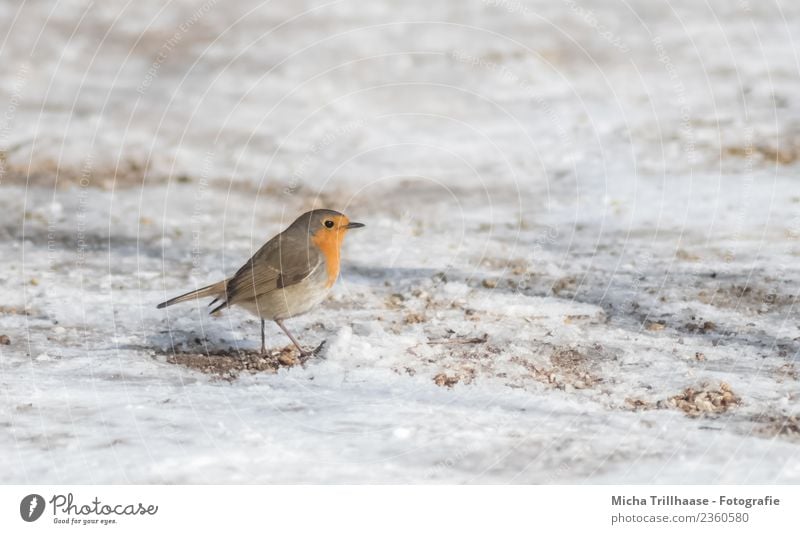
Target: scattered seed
443 380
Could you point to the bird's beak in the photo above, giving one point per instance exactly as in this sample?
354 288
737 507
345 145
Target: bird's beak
352 225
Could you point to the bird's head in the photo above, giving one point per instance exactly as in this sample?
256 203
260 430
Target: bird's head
325 228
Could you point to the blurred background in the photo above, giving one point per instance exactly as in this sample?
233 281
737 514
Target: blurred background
579 262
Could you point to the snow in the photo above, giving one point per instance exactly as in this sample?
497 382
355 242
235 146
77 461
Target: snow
575 212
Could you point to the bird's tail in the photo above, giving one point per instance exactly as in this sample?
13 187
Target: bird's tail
214 290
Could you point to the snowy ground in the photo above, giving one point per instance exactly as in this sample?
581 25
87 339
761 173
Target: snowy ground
579 266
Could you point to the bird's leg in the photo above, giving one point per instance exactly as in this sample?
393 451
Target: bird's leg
263 344
304 354
285 331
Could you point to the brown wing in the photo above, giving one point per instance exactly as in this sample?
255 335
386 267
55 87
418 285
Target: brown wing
281 262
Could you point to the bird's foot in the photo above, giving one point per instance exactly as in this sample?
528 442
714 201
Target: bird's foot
306 354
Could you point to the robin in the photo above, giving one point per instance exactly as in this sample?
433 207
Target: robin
288 276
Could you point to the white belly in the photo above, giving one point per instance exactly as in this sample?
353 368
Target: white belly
290 301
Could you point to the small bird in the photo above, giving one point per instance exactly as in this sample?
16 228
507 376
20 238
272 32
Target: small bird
288 276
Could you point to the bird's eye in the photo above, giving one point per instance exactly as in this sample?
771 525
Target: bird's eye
329 224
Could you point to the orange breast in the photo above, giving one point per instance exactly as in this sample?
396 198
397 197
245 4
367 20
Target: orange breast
329 243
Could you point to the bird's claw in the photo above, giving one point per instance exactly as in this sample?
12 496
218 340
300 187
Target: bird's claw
305 355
